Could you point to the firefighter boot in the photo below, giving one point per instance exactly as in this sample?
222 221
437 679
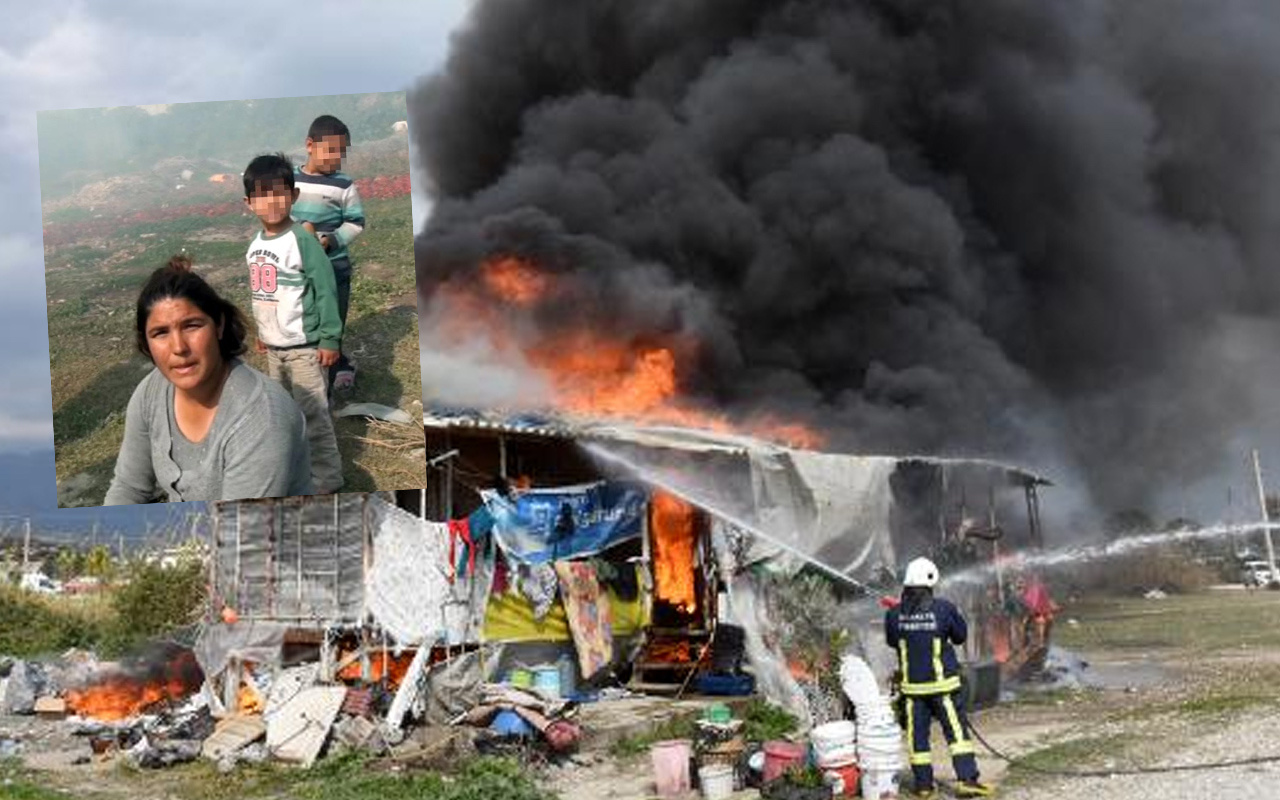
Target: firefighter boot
973 789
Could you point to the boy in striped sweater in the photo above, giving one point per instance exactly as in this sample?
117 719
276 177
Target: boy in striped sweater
328 206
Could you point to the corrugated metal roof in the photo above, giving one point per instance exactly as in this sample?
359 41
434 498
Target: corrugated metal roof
667 437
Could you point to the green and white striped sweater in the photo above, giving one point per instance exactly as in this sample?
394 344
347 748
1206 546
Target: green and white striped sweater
332 204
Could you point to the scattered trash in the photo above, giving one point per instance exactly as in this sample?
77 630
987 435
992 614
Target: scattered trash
298 729
51 707
232 735
377 411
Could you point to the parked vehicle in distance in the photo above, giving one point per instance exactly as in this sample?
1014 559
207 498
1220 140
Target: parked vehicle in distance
40 583
1255 573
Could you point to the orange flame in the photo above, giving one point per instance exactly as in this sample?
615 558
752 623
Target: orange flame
120 696
515 280
671 521
249 701
607 378
588 374
396 668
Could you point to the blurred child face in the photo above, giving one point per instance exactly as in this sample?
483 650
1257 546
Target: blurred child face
183 341
325 154
271 204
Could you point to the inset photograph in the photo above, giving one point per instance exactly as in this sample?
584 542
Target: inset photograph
231 299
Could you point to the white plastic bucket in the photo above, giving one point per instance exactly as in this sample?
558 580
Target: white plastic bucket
878 784
716 780
833 736
837 757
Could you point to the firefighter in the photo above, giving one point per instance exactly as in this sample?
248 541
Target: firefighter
922 629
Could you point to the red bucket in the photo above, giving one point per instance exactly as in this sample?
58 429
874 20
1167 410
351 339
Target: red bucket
778 756
842 779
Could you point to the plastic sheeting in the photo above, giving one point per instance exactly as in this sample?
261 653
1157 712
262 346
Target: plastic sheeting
259 642
509 618
830 510
545 525
409 591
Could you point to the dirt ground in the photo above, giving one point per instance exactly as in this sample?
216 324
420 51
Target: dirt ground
1181 680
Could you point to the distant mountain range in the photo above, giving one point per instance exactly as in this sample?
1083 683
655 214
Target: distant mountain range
28 488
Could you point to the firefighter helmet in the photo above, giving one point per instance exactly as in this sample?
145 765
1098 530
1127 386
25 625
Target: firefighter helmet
921 572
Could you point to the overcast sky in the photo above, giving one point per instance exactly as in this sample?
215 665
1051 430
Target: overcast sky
62 54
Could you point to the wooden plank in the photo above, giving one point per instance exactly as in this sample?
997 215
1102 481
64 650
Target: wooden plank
298 729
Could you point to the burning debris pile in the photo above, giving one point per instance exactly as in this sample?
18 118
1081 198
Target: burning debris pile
148 708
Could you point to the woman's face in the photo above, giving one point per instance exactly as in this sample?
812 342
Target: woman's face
184 343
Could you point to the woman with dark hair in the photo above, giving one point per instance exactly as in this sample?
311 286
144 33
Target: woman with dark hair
203 425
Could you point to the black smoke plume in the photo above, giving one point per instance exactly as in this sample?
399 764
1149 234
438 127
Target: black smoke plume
1042 231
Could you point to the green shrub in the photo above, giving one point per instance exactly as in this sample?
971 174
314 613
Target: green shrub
34 625
152 602
764 722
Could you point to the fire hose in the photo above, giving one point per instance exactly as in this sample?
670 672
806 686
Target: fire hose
1021 763
900 711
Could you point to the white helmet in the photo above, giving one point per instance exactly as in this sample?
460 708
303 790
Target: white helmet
921 572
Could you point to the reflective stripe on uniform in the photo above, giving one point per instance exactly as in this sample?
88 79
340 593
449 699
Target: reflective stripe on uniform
911 727
944 686
962 744
941 685
921 759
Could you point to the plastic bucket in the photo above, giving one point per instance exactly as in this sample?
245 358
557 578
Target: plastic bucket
833 736
879 783
671 767
842 779
837 757
520 678
718 713
547 680
716 780
778 756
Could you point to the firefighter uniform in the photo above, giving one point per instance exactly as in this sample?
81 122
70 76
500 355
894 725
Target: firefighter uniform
923 637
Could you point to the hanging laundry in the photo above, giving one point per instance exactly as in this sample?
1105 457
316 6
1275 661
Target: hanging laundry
538 583
502 573
481 521
589 614
461 547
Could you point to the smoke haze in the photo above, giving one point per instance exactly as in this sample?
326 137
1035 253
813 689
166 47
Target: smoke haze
1042 232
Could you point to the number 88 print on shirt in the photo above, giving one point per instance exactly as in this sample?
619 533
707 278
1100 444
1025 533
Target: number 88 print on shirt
278 282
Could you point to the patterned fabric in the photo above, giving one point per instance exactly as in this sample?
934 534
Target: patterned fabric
538 584
589 613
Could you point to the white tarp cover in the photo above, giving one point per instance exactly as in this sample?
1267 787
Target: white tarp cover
409 591
828 509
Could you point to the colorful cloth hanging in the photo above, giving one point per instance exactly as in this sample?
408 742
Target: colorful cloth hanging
589 615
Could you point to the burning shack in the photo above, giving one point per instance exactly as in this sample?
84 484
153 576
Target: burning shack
714 508
580 554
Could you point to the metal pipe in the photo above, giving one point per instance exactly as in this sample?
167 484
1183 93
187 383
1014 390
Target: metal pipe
1266 518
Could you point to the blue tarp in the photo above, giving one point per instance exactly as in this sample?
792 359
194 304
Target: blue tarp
544 525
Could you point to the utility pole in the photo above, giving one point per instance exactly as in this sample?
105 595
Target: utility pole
26 547
1266 519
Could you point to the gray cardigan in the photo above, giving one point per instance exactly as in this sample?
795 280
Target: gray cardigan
256 446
